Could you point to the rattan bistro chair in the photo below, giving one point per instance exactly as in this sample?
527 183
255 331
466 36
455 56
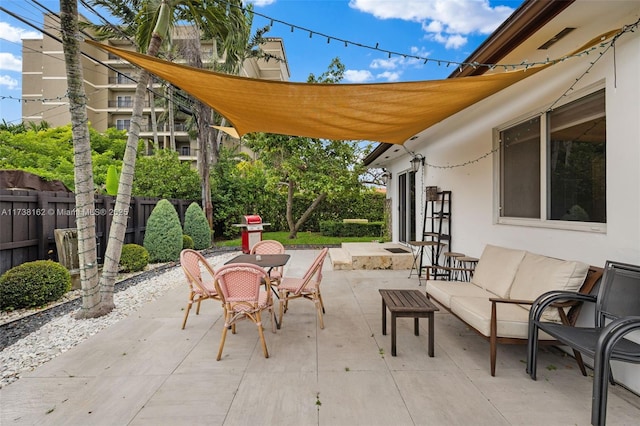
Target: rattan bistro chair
307 287
193 263
239 285
270 247
617 313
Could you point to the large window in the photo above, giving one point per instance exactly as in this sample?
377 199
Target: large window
123 124
124 102
552 166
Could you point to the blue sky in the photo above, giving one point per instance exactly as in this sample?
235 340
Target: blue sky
446 30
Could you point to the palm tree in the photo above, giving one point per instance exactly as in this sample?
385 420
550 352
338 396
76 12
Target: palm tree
83 176
237 48
229 25
149 22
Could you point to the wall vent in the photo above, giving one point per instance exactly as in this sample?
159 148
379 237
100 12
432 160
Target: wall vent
556 38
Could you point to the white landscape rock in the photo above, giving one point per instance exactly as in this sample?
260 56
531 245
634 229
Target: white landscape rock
63 333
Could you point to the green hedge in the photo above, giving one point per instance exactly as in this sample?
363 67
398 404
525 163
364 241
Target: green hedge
134 258
33 284
187 242
341 229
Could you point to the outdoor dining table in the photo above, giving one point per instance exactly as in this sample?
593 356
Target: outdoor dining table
267 261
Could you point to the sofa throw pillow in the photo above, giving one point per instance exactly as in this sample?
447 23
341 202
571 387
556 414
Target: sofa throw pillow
496 269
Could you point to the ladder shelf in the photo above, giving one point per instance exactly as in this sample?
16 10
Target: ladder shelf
436 231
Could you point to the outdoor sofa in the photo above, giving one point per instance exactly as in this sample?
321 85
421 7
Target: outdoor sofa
495 303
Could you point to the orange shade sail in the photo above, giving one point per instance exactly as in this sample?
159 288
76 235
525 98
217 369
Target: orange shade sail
382 112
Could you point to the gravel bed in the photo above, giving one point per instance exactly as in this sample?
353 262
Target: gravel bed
35 338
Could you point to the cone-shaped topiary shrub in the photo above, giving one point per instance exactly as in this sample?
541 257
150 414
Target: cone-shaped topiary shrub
134 258
197 227
33 284
163 236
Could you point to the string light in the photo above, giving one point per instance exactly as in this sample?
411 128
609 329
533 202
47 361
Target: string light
612 44
460 65
43 100
625 29
469 162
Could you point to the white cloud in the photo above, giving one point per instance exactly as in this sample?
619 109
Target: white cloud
454 41
433 26
389 76
357 76
385 64
15 34
10 62
262 2
400 62
8 82
446 21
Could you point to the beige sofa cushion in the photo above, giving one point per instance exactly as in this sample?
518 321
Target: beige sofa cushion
496 269
442 291
538 274
513 320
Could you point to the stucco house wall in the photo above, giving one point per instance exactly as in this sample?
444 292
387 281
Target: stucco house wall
469 135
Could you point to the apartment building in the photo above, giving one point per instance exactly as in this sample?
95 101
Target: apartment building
110 87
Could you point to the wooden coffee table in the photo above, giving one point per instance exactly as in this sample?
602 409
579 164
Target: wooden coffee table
407 303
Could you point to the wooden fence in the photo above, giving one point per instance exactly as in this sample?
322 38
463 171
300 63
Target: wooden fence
28 218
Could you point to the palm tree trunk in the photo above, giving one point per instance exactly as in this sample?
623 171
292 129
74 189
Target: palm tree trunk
205 138
154 121
83 169
172 123
119 222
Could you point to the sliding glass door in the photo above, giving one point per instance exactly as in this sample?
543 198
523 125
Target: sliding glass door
406 207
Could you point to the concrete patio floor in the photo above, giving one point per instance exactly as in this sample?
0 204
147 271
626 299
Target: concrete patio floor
145 370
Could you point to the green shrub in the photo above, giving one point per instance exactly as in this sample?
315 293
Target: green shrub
113 180
187 242
197 227
163 236
33 284
350 229
134 258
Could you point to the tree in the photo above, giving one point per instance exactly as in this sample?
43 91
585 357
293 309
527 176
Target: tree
237 47
149 22
48 152
163 175
85 206
313 168
239 187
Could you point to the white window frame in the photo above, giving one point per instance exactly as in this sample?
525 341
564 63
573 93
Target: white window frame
543 222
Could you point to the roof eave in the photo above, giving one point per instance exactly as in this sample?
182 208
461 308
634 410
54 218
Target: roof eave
522 24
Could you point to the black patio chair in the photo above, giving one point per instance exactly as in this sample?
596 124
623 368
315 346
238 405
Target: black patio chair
617 313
